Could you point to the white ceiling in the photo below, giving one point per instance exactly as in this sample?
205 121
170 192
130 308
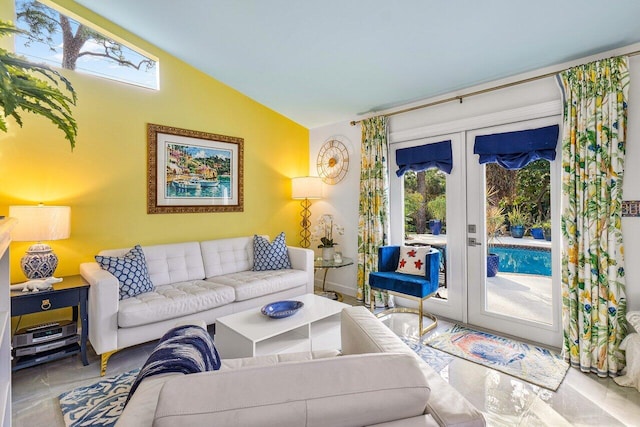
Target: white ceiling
322 62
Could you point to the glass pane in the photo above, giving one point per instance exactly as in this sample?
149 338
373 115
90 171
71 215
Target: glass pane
518 208
55 39
425 213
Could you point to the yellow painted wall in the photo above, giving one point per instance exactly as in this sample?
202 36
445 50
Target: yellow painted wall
104 178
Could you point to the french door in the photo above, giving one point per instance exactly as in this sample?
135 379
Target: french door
521 305
451 301
523 298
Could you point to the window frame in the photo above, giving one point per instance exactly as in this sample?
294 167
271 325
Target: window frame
86 22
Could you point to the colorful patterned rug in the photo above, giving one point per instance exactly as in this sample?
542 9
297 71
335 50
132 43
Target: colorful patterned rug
99 404
437 359
532 364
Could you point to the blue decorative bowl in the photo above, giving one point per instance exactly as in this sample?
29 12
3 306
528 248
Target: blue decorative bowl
281 309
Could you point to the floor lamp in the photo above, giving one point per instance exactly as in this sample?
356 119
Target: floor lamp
306 188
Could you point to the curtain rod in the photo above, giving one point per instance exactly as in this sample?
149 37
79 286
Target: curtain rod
478 92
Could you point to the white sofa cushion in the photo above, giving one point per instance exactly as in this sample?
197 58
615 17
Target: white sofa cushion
172 301
170 263
142 406
225 256
324 392
253 284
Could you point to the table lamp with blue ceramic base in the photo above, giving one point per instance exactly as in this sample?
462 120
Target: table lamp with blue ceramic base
40 223
39 262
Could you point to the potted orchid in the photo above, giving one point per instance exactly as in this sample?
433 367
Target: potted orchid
324 232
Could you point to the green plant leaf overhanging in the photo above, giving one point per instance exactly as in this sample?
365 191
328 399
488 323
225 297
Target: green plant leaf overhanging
22 90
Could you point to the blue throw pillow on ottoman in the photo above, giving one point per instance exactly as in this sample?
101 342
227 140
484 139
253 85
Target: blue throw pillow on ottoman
270 256
130 270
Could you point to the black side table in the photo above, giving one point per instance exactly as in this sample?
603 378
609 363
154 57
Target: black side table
72 292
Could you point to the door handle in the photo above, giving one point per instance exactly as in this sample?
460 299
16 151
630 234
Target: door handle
471 241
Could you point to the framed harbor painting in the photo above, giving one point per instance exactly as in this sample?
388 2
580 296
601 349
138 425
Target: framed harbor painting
190 171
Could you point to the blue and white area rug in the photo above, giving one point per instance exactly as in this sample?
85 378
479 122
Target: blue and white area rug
99 404
532 364
437 359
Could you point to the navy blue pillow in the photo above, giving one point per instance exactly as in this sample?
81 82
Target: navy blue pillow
188 349
130 270
270 256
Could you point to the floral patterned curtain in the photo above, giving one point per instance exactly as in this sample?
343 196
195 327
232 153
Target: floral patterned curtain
593 148
373 227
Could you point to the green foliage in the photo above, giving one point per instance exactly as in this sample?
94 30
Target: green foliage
494 218
438 207
534 189
435 183
412 203
418 187
502 181
410 182
33 88
528 187
517 216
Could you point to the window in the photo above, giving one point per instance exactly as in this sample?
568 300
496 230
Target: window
53 37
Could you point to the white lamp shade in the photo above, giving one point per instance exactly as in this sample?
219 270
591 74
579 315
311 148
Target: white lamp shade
40 223
306 187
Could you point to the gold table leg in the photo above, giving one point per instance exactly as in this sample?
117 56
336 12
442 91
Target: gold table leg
420 311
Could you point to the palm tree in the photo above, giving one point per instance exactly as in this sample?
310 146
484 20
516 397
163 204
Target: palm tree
34 88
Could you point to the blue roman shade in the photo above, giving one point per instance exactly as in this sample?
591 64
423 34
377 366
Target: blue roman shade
423 157
515 150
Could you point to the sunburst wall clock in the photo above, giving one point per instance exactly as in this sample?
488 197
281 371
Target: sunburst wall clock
333 161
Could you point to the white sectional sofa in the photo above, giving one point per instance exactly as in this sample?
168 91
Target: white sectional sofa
375 380
194 281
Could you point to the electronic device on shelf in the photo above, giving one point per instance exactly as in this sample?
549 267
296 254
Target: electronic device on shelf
44 333
39 348
45 356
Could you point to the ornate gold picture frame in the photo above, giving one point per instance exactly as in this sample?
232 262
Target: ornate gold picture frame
192 172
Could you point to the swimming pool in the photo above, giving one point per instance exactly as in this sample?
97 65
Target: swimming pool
524 260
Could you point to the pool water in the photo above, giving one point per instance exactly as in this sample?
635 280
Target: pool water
524 260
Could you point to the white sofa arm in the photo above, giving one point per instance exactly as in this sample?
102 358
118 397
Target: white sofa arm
362 332
103 307
302 259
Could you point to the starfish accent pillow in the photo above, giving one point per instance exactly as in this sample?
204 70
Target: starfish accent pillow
412 260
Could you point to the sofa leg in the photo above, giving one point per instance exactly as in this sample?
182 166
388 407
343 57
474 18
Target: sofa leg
104 358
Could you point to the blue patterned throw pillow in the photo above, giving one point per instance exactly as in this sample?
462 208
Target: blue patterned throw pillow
130 270
270 256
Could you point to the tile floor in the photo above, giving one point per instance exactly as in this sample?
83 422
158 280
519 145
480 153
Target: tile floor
581 400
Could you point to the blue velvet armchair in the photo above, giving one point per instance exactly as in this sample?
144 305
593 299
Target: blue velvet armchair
416 287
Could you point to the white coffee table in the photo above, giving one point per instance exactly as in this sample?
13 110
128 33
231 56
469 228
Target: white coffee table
316 326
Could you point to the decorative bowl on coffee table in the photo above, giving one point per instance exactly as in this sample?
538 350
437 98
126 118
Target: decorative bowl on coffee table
281 309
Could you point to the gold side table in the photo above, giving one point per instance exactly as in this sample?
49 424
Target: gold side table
320 263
